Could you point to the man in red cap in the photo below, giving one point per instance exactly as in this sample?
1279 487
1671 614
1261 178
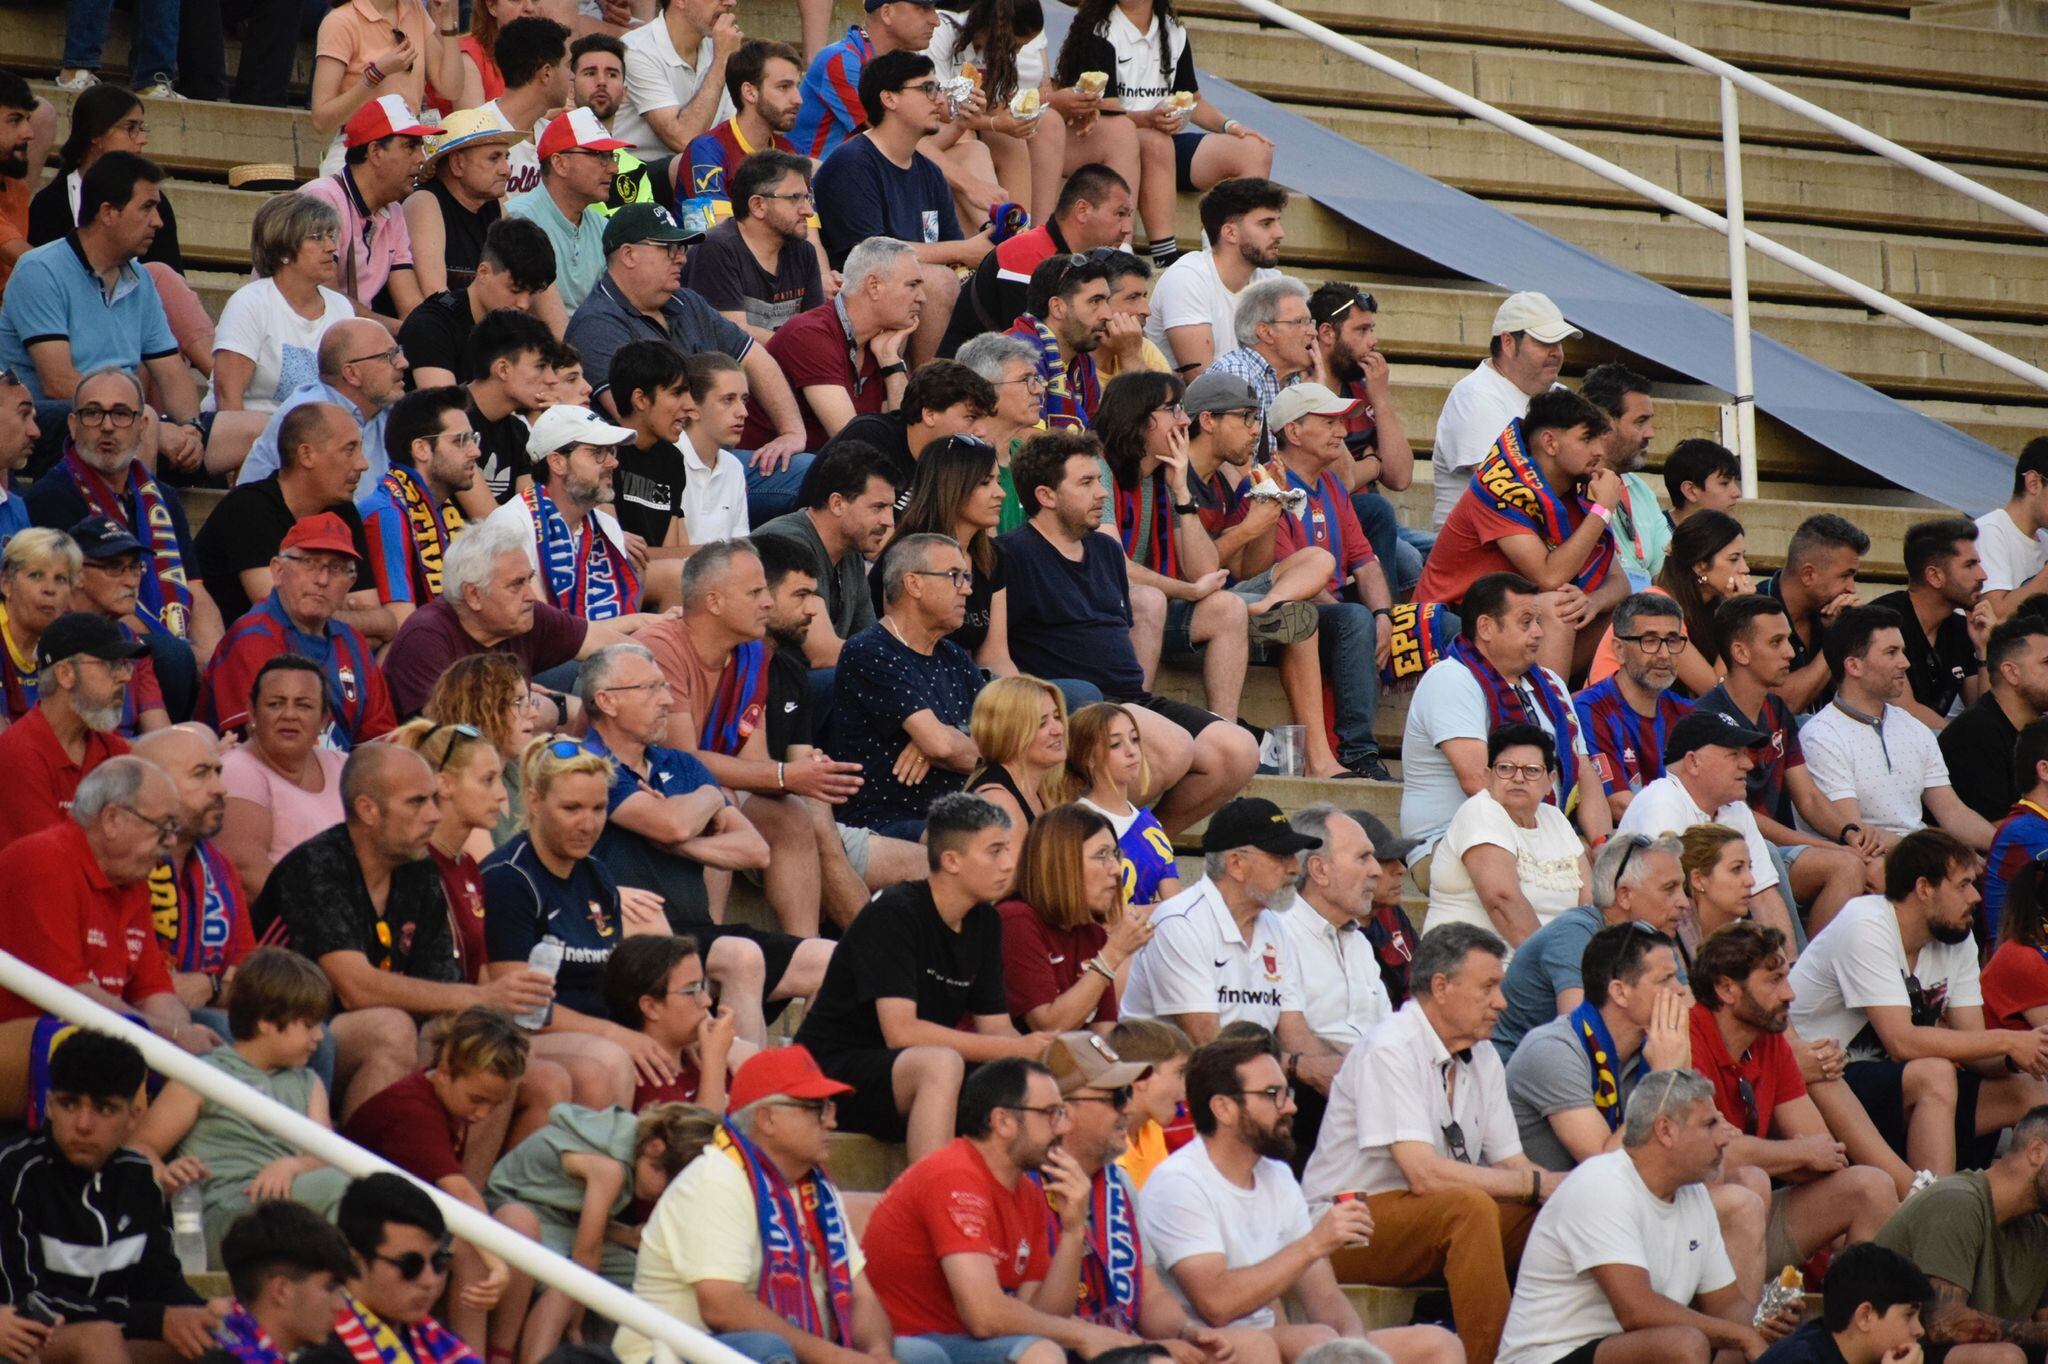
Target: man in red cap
802 1295
385 151
313 571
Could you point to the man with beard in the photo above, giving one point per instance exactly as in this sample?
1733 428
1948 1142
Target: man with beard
761 268
1893 981
1220 950
1981 1240
1420 1129
1347 336
83 663
1943 618
959 1247
1626 1264
196 896
1066 316
110 566
411 519
1274 344
1871 758
597 82
1626 716
1641 533
850 500
1523 360
1194 304
18 434
763 81
1978 745
1742 1008
1230 1231
583 561
17 132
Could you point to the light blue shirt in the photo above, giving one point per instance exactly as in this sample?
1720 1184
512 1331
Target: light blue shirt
579 246
1641 533
54 295
262 460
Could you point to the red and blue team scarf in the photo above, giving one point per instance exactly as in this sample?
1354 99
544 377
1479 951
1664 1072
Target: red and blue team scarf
1071 391
1591 1030
195 908
369 1339
585 573
740 701
142 510
1505 705
1161 551
343 657
786 1252
1627 748
432 528
1511 479
243 1339
1113 1269
1421 635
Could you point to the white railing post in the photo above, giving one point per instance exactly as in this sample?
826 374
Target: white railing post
484 1232
1738 287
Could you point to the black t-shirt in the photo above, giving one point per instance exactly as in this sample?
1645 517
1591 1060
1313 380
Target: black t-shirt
726 272
436 334
887 432
1805 645
1977 746
463 234
244 532
899 948
502 457
1810 1344
650 490
318 891
1072 619
1936 668
789 703
525 902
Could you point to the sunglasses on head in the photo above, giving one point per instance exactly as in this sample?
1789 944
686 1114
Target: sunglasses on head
461 732
1359 299
412 1264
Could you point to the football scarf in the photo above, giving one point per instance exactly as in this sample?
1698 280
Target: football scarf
786 1252
1505 703
18 675
1510 477
432 526
369 1339
141 508
1591 1030
586 574
737 706
195 908
245 1342
1071 391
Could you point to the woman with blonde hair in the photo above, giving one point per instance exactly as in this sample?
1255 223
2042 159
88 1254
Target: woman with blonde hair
1718 882
490 694
545 885
38 570
1020 726
471 782
1067 932
1105 772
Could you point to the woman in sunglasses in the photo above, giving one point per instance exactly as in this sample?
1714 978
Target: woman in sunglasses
1515 862
470 781
282 786
1718 881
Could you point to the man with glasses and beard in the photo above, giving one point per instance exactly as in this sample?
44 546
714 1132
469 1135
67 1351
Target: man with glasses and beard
1626 715
1350 363
1893 980
1420 1132
1230 1230
82 669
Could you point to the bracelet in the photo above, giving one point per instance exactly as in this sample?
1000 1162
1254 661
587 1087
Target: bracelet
781 780
1386 611
1228 124
372 77
1535 1188
1603 513
1847 829
1097 965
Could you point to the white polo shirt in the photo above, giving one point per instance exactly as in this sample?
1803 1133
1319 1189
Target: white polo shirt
1887 768
1666 807
714 496
1392 1088
1340 976
1199 963
659 77
2011 558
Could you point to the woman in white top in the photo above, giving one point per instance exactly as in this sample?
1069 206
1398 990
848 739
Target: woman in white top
1004 41
1514 862
267 345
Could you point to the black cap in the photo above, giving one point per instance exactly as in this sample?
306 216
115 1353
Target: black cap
1253 823
1387 846
1702 728
101 537
85 632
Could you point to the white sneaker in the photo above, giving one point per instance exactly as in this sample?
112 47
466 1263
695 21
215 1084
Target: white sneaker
1921 1180
160 90
77 82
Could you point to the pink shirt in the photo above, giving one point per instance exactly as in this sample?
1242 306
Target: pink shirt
296 814
379 245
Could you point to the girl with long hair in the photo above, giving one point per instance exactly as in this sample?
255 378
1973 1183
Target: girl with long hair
1106 772
2015 980
1718 882
470 781
1004 42
1704 566
1067 934
491 695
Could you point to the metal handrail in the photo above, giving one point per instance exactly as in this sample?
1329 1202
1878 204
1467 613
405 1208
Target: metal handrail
1807 109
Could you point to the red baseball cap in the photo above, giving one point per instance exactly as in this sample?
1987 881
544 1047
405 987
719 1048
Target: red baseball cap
324 532
787 1071
385 116
577 131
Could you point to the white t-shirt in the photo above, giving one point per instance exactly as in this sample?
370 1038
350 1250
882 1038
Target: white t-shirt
1603 1214
2010 558
1198 963
714 496
1666 807
258 323
1391 1088
1475 412
658 77
1190 293
522 157
1448 704
1138 65
1340 976
1859 960
1546 860
1189 1209
948 56
1887 773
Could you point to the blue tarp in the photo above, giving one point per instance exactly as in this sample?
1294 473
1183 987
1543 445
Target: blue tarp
1472 238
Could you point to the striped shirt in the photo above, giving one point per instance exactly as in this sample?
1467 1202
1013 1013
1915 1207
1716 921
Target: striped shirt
1627 746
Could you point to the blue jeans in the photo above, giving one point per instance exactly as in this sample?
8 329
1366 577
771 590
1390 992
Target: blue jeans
1345 640
152 57
771 495
1399 550
1077 693
968 1349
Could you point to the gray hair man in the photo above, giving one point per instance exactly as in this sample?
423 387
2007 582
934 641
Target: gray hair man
1010 364
1334 892
1275 343
83 665
880 306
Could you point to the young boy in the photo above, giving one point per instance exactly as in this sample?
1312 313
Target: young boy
274 1015
569 1184
1156 1100
1870 1313
287 1265
1701 476
655 984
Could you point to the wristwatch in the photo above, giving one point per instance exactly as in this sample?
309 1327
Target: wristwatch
893 367
1847 829
1188 508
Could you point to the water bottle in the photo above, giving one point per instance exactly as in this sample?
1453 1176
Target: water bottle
188 1228
545 958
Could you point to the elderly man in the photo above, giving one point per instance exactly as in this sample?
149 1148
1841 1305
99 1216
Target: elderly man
83 664
905 692
1419 1124
577 161
668 822
461 196
102 474
1343 996
410 521
845 358
110 566
1626 715
1275 344
91 927
581 557
385 148
313 570
196 896
361 371
363 901
1626 1264
1523 360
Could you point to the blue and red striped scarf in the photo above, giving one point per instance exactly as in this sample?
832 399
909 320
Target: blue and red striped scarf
786 1251
1506 704
369 1339
584 572
739 703
1113 1268
195 907
1161 551
1512 480
140 508
1071 390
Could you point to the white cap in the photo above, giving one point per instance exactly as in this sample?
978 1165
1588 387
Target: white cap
1306 400
1534 314
565 424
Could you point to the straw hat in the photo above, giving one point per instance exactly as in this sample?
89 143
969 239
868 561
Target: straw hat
470 128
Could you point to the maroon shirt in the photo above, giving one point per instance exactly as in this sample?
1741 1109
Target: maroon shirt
1041 963
813 350
405 1124
432 638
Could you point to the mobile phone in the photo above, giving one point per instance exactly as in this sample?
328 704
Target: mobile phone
35 1307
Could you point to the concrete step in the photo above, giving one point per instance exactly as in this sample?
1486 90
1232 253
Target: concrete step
1380 1308
861 1164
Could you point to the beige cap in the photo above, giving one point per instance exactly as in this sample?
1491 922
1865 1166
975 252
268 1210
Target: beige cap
467 129
1306 400
1534 314
1082 1060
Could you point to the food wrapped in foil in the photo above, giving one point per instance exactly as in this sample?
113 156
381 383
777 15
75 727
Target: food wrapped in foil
1786 1293
1294 500
955 92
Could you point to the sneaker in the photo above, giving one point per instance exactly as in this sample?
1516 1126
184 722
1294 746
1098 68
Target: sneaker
1921 1180
160 90
77 82
1367 769
1288 623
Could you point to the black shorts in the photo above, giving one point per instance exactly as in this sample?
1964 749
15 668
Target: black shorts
777 951
1584 1354
1186 143
1880 1087
1193 719
871 1108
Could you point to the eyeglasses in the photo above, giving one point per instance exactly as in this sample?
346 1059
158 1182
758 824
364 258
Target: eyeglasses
1243 414
1627 943
1292 322
694 990
1052 1113
323 568
120 669
823 1109
1278 1095
1655 644
612 157
1520 771
1634 841
658 684
1171 410
1747 1093
464 440
1032 382
134 127
805 197
461 732
1454 1138
959 577
125 568
108 416
166 828
1119 1098
412 1264
929 89
326 236
1108 857
387 356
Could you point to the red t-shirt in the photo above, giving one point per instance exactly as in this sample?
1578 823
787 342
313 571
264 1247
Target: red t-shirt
405 1124
812 350
41 779
2014 981
1772 1072
462 882
1041 963
1467 549
82 928
950 1203
681 1090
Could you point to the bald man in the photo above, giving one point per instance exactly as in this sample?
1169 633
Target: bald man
362 370
200 907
